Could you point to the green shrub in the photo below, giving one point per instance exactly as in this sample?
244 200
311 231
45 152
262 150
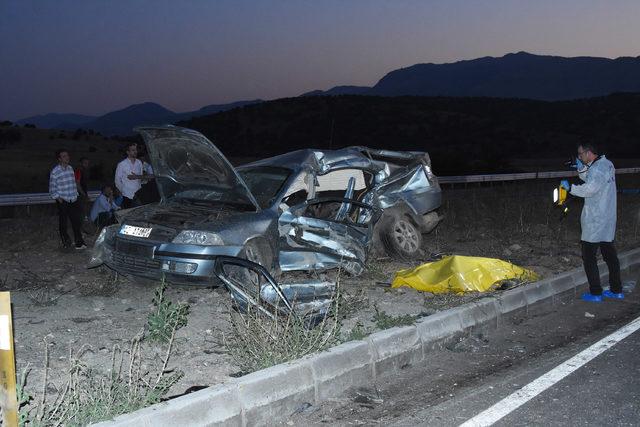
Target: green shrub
167 316
385 321
357 333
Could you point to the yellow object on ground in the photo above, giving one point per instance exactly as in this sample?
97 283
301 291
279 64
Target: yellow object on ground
457 274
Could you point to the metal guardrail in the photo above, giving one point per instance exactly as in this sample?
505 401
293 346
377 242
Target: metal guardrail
28 199
44 198
464 179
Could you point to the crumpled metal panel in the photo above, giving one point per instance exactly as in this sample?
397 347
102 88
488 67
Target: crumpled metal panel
251 285
345 158
304 260
413 188
321 244
305 297
103 247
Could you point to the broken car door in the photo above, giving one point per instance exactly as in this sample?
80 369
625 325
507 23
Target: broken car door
312 239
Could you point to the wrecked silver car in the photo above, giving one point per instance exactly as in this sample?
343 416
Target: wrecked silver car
304 210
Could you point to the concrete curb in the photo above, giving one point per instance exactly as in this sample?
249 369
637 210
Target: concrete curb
269 395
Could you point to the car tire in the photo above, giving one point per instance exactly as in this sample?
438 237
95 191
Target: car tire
400 236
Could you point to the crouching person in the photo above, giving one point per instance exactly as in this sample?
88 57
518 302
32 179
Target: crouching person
102 211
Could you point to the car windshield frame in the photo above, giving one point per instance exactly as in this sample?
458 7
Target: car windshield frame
265 199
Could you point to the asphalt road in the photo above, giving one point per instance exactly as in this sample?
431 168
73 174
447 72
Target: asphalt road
480 370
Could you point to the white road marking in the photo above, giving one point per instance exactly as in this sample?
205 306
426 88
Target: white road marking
534 388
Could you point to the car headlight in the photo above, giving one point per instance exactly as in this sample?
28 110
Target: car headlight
106 233
191 237
100 238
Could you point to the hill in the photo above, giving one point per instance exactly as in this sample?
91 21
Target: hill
27 156
57 121
515 75
122 122
463 135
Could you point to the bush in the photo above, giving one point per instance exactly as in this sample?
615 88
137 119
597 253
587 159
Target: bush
359 332
385 321
166 318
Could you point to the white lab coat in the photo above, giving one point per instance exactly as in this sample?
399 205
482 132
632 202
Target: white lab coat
598 219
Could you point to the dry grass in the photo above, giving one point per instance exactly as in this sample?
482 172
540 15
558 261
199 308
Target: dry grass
258 340
90 394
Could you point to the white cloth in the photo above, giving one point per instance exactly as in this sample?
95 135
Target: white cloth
598 219
128 187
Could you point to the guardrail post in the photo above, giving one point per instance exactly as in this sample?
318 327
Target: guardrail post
8 397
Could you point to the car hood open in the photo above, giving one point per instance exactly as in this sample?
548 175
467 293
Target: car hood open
187 165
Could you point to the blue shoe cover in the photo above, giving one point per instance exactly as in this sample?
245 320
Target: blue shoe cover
591 298
609 294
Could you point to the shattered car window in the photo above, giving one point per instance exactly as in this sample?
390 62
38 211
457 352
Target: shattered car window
265 182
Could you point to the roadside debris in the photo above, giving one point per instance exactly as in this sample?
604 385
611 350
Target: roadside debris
458 274
589 315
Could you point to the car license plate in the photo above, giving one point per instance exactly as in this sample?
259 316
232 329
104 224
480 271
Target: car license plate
130 230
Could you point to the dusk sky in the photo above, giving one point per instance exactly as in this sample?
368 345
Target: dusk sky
92 57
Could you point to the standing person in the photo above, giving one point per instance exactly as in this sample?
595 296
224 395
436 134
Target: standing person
63 189
598 220
82 181
128 176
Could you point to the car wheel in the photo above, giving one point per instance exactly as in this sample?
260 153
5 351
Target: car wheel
401 237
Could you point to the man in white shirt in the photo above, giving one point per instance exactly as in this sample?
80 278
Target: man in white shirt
128 176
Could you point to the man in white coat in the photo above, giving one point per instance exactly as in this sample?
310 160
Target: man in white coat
598 220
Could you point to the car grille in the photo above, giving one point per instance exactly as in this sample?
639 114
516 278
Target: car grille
162 234
132 257
134 248
135 263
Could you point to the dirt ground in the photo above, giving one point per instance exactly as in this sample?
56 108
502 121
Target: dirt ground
58 301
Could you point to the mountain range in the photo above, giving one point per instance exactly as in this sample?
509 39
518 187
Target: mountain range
515 75
121 122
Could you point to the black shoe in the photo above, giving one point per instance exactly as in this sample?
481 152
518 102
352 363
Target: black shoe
81 246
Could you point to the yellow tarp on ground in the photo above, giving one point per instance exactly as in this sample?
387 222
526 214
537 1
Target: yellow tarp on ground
458 274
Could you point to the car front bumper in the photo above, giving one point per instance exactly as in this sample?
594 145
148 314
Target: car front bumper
177 264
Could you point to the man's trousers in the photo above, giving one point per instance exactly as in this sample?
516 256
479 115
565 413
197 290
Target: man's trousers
590 261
